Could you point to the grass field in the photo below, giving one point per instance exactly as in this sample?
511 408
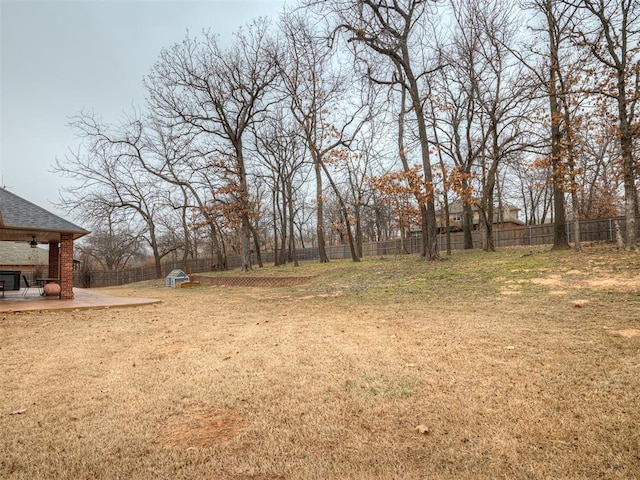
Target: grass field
519 364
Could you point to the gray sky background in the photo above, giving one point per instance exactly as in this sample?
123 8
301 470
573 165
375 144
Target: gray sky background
60 57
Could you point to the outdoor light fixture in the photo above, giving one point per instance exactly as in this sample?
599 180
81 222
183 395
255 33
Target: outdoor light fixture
33 243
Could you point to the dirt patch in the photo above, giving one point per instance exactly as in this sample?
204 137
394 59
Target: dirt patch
202 428
575 272
616 283
551 281
628 332
573 279
510 291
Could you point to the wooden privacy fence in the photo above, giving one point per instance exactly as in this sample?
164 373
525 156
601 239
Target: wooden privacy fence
590 231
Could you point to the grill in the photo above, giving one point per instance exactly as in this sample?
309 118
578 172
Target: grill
11 279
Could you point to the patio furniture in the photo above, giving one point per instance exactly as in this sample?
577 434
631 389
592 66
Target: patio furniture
26 286
11 279
43 281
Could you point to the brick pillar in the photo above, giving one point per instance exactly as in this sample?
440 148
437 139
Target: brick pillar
66 266
54 260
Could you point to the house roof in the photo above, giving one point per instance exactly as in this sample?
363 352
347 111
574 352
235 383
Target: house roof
456 206
20 253
21 220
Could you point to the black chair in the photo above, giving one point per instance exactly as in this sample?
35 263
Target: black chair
26 285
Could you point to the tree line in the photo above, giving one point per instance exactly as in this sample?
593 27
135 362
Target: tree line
345 121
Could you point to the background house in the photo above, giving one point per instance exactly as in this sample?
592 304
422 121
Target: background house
32 262
504 217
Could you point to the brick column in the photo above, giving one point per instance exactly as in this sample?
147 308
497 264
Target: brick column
54 260
66 266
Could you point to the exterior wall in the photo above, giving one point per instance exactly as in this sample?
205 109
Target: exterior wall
54 260
507 225
66 266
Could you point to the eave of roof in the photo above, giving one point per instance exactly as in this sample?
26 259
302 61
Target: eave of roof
21 216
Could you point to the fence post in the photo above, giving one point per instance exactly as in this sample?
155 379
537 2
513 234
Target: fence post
611 230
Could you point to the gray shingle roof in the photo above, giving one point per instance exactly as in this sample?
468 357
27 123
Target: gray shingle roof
16 212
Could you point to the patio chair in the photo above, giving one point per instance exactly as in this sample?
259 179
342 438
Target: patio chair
26 285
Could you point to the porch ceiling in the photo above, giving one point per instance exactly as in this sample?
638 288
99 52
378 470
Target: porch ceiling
8 234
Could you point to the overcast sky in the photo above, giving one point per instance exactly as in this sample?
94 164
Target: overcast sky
60 57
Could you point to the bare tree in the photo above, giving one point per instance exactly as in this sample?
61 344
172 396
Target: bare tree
556 20
114 242
609 29
504 101
186 163
282 151
555 75
597 187
217 93
535 194
358 168
320 102
394 32
109 175
460 107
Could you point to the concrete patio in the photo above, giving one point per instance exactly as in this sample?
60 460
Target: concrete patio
84 299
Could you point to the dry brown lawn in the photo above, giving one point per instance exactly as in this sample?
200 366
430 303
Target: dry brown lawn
520 364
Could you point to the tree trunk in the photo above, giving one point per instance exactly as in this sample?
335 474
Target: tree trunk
405 165
322 249
292 237
447 223
284 222
487 208
256 245
246 242
467 222
216 250
628 167
557 170
345 215
275 220
244 208
359 234
430 221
